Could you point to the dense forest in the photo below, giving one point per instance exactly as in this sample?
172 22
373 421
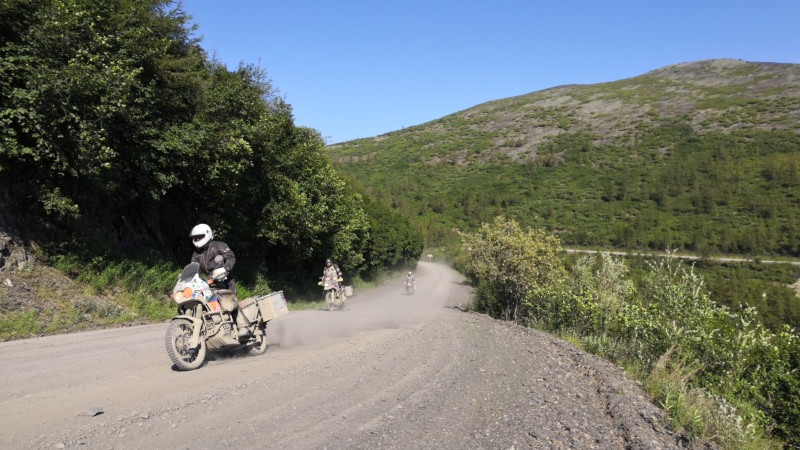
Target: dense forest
118 134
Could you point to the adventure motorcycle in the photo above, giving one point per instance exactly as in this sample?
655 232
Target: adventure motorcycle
207 321
410 287
334 294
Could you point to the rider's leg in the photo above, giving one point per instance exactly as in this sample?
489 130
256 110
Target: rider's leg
242 321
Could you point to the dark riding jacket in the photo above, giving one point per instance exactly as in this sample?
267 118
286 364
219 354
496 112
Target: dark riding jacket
207 257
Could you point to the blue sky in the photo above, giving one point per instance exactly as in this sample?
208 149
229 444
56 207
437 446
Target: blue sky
355 69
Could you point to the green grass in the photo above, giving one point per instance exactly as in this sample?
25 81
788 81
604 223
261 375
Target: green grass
19 324
101 293
305 305
706 418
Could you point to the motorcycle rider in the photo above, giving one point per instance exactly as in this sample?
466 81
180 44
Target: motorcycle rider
410 280
332 269
217 259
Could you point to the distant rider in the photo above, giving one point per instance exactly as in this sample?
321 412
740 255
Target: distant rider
411 282
332 270
217 259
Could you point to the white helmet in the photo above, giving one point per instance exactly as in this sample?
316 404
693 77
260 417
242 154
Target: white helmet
201 235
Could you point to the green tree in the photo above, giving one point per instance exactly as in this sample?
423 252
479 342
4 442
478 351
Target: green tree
393 242
118 134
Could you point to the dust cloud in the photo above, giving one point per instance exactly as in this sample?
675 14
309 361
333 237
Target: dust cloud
387 306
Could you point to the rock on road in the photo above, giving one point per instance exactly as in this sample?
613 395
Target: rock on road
392 371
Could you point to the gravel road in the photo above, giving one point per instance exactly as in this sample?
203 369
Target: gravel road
392 371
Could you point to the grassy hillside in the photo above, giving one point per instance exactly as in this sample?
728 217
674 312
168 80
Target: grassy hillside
700 156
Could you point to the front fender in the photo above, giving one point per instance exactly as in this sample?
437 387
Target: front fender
197 328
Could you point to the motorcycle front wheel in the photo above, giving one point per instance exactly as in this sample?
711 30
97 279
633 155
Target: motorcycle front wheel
177 340
329 299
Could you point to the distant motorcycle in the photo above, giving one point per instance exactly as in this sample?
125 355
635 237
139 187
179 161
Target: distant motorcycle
334 294
205 320
410 287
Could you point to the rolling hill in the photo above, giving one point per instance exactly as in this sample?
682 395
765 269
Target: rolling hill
702 156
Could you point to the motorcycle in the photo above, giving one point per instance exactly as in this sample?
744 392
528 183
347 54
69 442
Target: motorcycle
334 294
206 320
410 287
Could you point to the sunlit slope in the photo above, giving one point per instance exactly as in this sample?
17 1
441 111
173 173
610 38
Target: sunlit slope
704 156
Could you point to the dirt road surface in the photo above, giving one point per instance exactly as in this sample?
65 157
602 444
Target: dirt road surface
392 371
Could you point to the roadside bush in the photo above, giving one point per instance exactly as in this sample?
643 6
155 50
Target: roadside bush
720 373
517 268
678 311
601 293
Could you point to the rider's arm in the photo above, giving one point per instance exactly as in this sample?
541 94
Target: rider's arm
227 253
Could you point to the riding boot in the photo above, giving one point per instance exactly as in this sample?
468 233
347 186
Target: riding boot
242 323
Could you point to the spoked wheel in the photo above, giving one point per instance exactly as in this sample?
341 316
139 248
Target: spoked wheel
177 340
329 299
261 343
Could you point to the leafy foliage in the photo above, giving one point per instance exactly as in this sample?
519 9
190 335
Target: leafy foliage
516 266
393 242
119 134
730 355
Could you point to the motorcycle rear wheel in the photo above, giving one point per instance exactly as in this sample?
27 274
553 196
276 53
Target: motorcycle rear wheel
177 339
261 344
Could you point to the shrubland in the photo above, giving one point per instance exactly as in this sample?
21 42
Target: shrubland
721 374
